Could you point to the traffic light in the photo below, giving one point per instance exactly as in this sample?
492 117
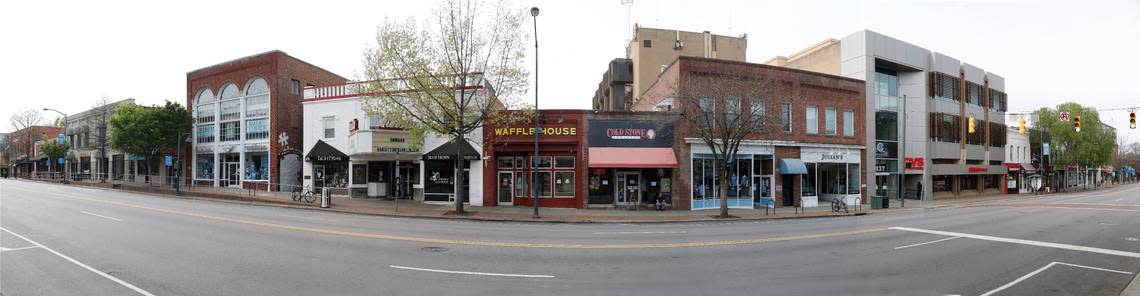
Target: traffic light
1077 123
1021 124
972 124
1132 120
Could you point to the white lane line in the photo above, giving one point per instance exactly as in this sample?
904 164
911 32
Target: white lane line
1043 268
96 271
101 216
927 243
1025 242
641 232
472 272
3 249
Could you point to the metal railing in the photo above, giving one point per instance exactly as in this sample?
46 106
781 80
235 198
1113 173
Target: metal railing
258 189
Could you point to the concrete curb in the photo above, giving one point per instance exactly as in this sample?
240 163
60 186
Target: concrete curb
1133 288
245 201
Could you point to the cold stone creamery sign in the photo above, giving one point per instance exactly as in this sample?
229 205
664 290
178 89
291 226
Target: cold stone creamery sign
529 131
630 133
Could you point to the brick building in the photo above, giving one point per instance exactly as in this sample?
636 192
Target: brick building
815 154
248 119
26 160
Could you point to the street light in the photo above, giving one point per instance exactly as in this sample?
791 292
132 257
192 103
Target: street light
537 129
66 166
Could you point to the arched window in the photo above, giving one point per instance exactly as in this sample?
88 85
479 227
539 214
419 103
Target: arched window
204 95
256 109
256 87
229 91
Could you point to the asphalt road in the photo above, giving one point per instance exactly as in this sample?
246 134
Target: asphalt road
59 240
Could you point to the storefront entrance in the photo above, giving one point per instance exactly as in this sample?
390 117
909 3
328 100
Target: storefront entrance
231 172
505 193
629 188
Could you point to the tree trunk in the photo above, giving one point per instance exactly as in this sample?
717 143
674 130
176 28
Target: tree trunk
459 174
724 191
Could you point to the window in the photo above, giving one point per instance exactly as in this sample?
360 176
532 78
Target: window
811 120
706 106
506 163
853 185
204 96
564 183
543 183
231 131
647 43
257 129
829 121
564 162
204 166
808 182
257 166
997 101
944 128
943 86
757 112
231 110
329 125
786 117
359 173
295 88
229 91
848 123
257 106
205 133
542 162
206 113
974 93
732 111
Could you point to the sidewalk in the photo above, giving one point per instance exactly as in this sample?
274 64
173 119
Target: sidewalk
408 208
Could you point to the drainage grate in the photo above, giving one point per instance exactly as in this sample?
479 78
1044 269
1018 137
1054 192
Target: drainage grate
433 249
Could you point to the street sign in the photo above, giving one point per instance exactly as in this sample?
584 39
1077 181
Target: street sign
61 139
1064 116
168 160
60 160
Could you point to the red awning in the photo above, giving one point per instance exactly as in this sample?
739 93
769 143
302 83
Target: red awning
632 157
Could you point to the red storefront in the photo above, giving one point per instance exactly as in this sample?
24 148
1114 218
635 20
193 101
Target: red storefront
560 166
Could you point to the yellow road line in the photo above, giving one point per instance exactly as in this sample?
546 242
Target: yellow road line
382 236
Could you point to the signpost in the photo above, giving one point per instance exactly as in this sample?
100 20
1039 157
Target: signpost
1064 116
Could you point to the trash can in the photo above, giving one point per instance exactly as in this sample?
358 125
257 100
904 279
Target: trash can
879 202
326 197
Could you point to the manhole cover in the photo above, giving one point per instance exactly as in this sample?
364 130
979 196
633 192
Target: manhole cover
433 249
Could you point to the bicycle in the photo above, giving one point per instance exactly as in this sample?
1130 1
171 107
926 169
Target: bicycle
838 204
305 194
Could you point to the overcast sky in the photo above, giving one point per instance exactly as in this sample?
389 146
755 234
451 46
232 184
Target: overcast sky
67 55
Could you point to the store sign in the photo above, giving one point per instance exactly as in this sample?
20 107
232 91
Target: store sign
391 142
886 149
630 133
829 155
529 131
915 163
1044 148
329 158
978 169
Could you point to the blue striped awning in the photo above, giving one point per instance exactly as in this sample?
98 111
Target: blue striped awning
792 167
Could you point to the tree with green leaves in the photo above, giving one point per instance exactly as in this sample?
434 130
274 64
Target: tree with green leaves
450 75
149 130
1092 146
53 149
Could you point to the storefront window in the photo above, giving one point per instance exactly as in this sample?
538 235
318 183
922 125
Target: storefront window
204 168
506 162
256 166
808 182
541 162
564 184
359 174
941 183
968 183
520 185
853 184
564 162
543 183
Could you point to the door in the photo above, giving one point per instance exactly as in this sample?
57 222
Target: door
628 189
318 176
789 189
233 175
505 193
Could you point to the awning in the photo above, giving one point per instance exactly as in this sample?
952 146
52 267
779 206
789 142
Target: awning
1028 167
324 152
790 166
632 157
448 150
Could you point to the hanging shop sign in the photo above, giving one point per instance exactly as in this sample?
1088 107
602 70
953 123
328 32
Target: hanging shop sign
885 149
630 133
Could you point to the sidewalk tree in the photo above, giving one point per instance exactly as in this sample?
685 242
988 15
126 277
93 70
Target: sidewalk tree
149 130
1092 146
723 111
102 117
22 120
53 149
450 74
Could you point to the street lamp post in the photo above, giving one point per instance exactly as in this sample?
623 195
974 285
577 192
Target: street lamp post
537 129
66 166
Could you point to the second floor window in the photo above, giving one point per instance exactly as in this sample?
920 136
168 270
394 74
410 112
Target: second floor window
811 120
231 131
786 117
257 128
829 122
205 133
328 124
848 123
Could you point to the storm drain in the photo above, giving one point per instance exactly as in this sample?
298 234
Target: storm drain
433 249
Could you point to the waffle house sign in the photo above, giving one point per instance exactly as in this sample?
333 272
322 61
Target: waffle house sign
529 131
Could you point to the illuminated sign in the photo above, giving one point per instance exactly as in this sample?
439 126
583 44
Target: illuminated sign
529 131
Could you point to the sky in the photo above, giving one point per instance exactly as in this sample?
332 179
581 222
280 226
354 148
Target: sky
66 55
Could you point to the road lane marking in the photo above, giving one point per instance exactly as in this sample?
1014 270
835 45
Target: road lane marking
383 236
473 272
1043 268
96 271
641 232
1025 242
101 216
927 243
3 249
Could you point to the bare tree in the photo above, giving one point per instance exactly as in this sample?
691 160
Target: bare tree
449 75
21 121
723 111
102 117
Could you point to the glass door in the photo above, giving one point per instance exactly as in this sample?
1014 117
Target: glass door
233 174
506 197
628 189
